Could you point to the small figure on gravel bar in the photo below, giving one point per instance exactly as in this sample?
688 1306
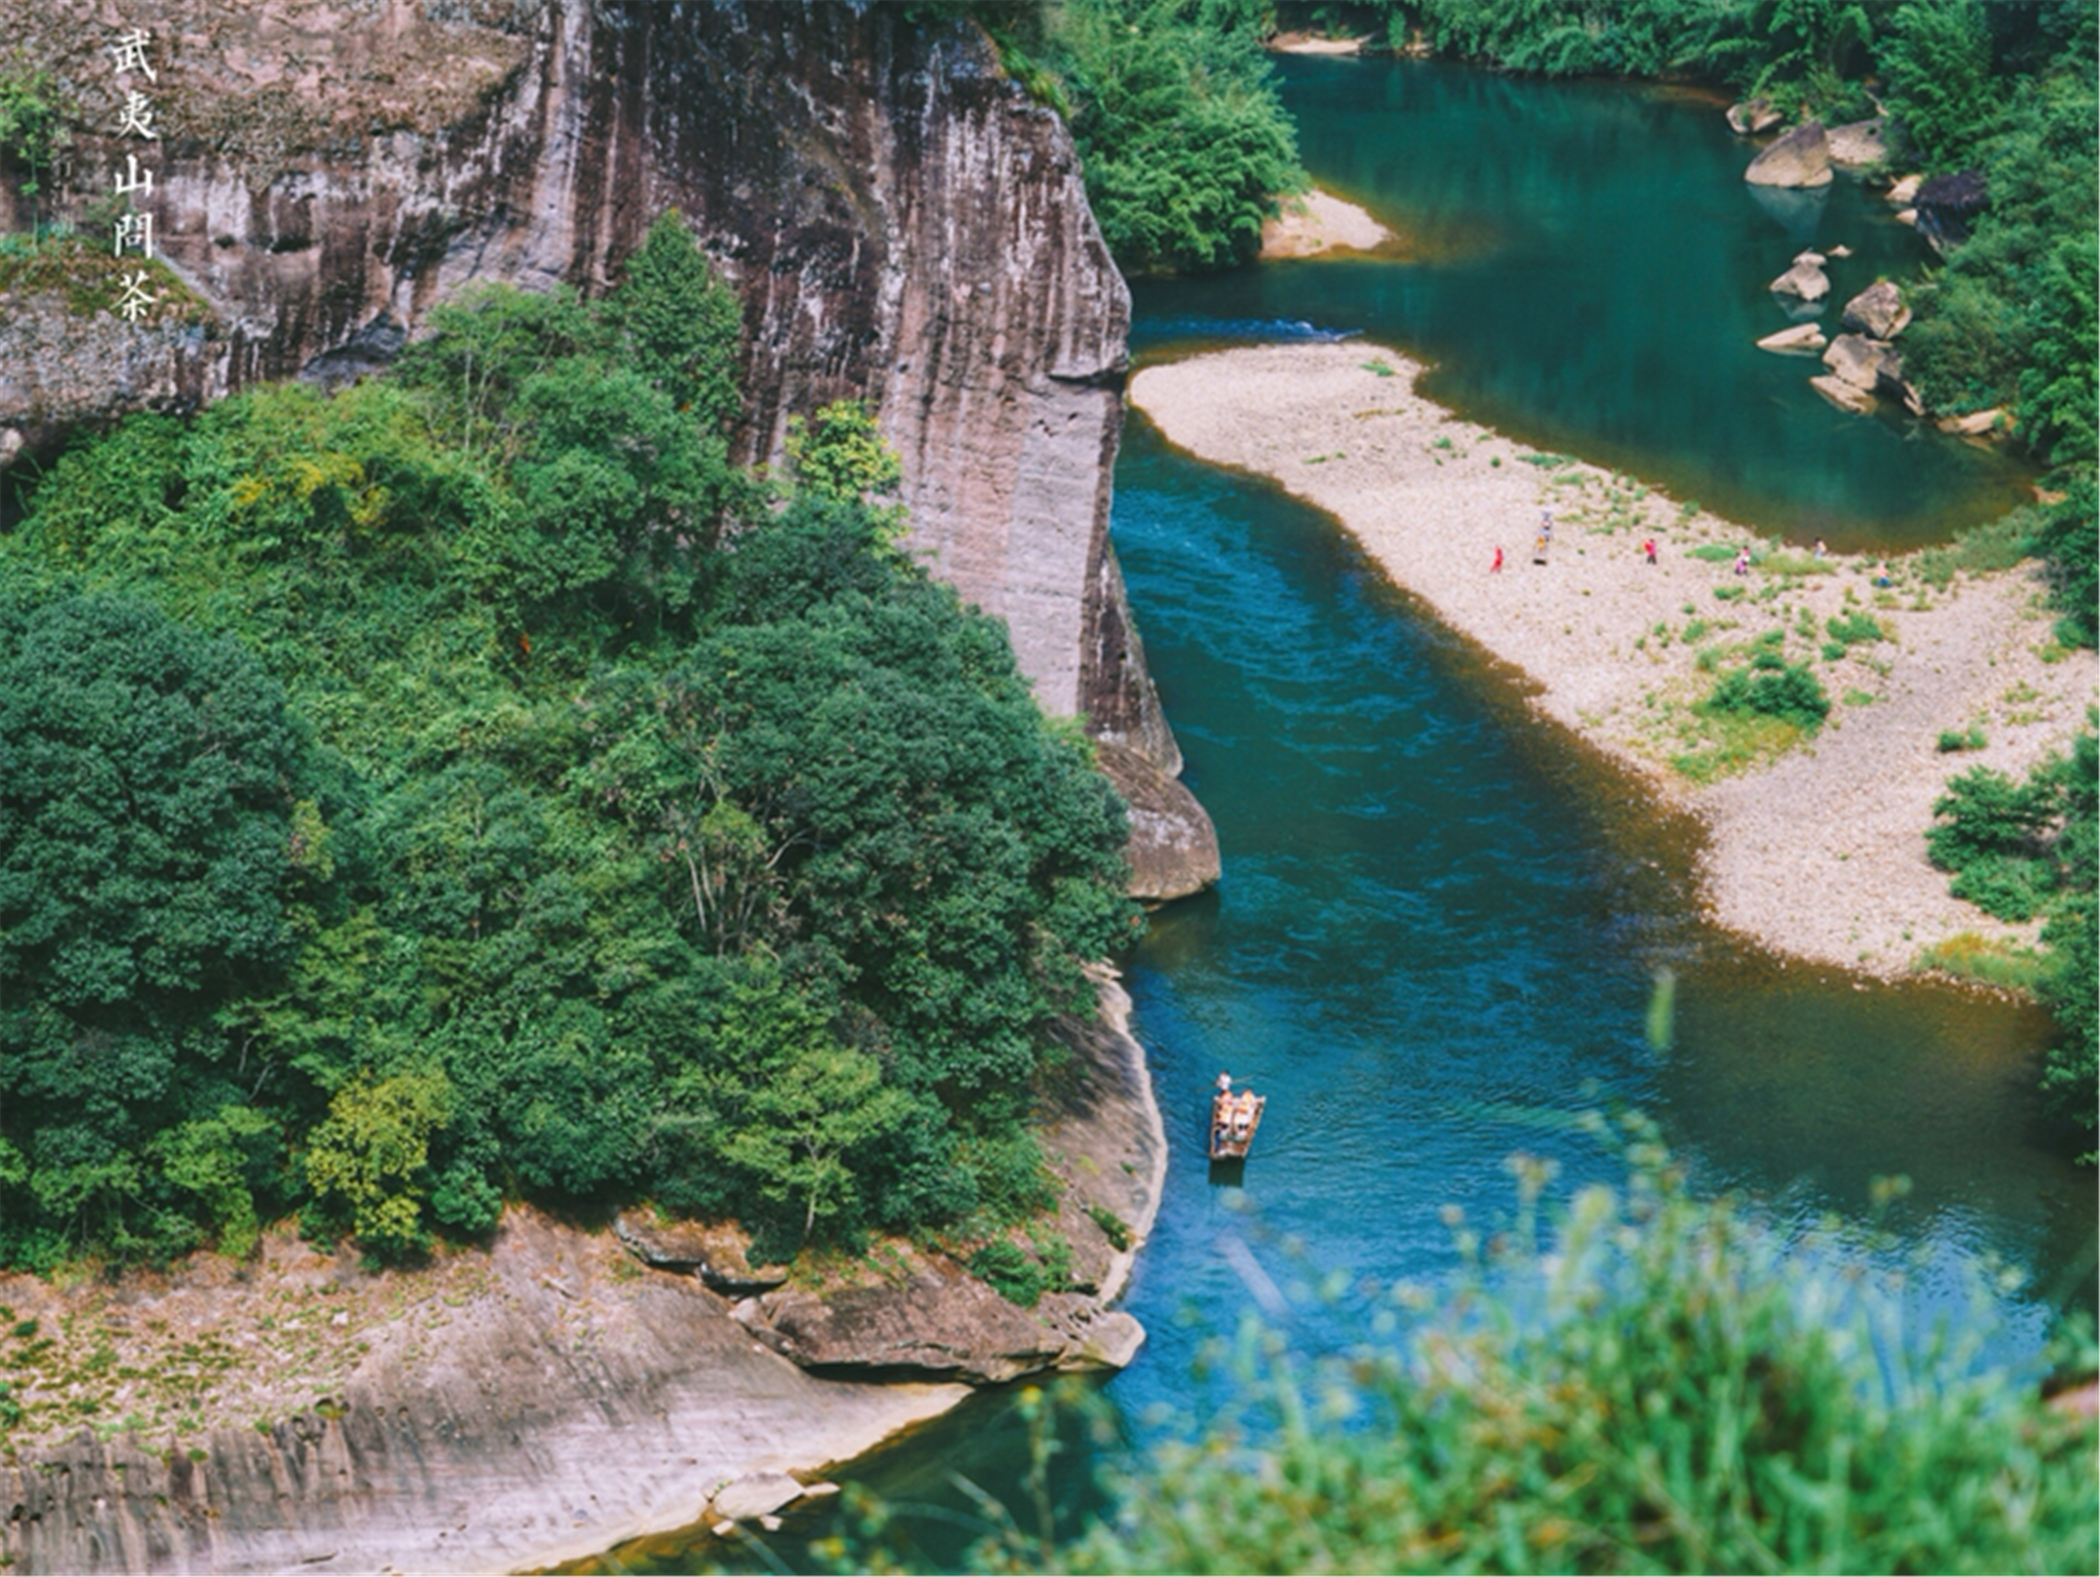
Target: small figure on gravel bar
1496 567
1648 548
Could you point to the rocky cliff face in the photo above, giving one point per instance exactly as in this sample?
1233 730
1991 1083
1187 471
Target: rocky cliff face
902 222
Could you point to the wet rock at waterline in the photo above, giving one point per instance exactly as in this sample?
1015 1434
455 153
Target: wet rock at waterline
1800 158
1805 280
1752 116
1801 339
1878 311
715 1251
1860 144
1904 192
1976 424
1173 847
1859 361
1845 396
755 1495
933 1320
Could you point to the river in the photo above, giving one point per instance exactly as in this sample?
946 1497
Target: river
1439 920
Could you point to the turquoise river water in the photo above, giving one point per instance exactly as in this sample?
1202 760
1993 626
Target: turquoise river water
1439 919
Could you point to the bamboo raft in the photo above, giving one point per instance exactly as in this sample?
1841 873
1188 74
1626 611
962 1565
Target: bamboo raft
1234 1120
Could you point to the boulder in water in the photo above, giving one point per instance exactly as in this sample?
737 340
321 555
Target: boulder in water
1878 311
1800 158
1860 144
1974 425
1801 339
1845 396
1858 360
1904 192
1806 280
1752 116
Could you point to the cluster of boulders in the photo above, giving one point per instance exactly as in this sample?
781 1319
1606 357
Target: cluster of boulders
1862 363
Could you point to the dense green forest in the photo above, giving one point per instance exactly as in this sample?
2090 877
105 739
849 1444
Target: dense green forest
1635 1381
472 786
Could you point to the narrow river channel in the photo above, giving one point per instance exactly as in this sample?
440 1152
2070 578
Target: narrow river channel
1439 921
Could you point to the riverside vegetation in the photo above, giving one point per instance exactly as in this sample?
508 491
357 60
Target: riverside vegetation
473 786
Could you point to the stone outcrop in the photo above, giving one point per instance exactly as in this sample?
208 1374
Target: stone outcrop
1947 205
1878 311
1802 338
718 1252
1805 279
1800 158
902 221
1860 361
1753 116
1904 192
1173 848
1859 145
1845 395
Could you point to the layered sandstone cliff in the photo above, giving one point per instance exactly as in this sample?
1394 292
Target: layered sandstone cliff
902 222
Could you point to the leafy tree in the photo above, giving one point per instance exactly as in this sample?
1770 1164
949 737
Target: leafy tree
613 851
371 1156
29 127
1185 144
680 325
796 1105
144 870
840 455
2021 848
1936 59
1773 687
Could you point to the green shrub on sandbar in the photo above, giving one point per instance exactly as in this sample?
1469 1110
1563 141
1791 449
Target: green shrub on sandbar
1771 687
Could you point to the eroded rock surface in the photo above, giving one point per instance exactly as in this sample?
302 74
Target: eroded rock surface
536 1402
1860 144
1173 847
1800 158
1878 311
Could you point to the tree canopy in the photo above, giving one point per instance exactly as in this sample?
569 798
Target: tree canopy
470 785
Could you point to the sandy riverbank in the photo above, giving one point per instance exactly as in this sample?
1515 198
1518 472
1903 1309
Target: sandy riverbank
1315 223
535 1402
1818 853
